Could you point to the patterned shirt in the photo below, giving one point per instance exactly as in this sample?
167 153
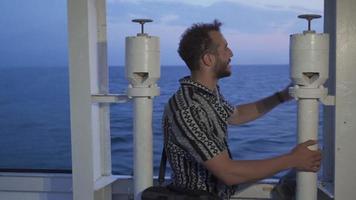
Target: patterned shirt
195 130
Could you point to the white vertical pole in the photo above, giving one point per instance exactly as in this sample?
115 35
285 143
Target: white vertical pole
308 116
329 111
104 109
89 122
143 155
341 25
103 73
80 62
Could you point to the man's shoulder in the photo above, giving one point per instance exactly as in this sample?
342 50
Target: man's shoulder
190 95
175 106
183 100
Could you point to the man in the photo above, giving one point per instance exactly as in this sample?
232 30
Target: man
196 117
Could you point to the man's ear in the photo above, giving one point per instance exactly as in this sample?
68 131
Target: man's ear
208 59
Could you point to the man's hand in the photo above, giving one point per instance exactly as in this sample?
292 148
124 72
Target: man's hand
285 93
306 159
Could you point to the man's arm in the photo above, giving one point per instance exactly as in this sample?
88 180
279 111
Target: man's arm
233 172
248 112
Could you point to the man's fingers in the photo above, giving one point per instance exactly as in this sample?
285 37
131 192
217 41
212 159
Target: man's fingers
317 157
316 163
309 143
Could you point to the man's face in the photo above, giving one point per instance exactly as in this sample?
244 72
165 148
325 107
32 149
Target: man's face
223 55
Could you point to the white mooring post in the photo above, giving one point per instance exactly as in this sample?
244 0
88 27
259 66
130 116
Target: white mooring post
309 62
143 71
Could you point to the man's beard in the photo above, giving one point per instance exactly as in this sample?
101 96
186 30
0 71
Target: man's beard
221 68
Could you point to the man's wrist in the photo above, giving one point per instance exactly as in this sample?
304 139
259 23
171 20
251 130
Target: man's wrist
279 96
290 160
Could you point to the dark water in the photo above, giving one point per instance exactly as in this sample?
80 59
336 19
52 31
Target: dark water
35 124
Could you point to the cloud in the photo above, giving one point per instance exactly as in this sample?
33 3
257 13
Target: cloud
257 47
189 2
257 33
137 16
166 19
257 41
291 5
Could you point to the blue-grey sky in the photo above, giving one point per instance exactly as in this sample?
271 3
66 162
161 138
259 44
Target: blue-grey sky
34 32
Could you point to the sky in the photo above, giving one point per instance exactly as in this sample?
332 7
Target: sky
34 32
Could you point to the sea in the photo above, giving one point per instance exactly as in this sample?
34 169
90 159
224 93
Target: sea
35 116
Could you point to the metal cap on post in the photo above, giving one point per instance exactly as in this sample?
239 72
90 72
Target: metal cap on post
142 22
309 18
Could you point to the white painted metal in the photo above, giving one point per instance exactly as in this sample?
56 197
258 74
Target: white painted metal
90 132
103 78
327 177
308 118
80 44
142 70
309 56
309 63
110 98
35 186
143 153
142 59
340 122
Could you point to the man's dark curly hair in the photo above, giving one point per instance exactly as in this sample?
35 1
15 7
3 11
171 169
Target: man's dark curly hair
195 42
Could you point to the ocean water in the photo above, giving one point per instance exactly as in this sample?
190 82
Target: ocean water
35 123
